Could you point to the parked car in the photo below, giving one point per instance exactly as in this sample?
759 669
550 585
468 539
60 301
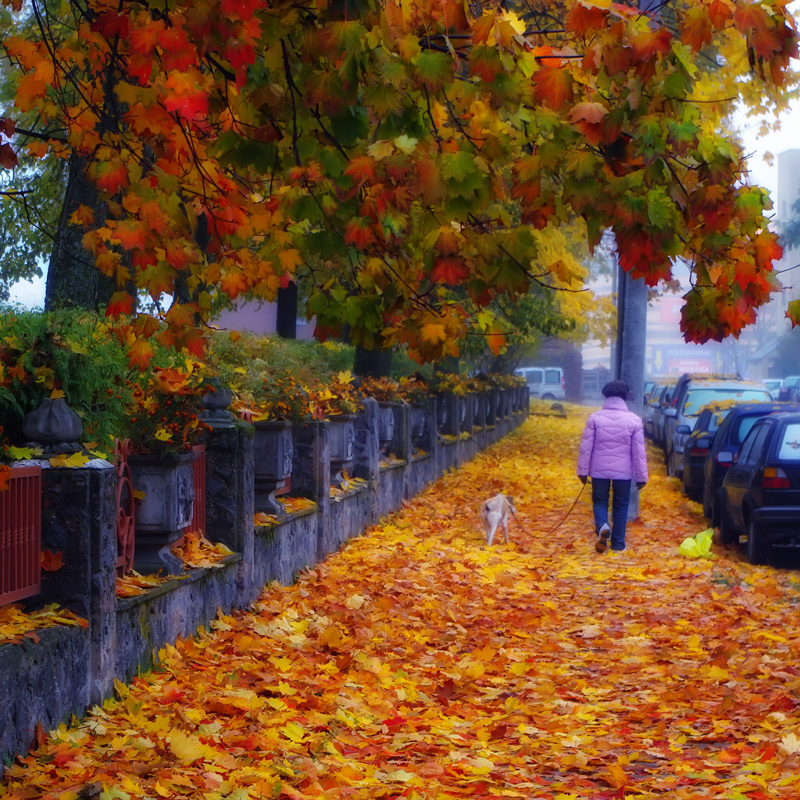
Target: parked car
684 408
664 400
697 448
790 389
726 445
774 386
760 496
649 406
546 383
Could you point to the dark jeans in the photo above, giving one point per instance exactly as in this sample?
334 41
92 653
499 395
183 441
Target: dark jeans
619 507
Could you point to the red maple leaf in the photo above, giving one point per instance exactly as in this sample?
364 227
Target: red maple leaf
52 562
121 303
649 44
8 158
451 270
582 19
359 233
111 25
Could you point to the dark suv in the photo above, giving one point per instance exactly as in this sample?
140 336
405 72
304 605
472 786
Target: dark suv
760 496
697 446
727 441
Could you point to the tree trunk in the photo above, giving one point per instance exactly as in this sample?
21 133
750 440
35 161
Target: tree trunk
375 363
286 321
448 365
72 279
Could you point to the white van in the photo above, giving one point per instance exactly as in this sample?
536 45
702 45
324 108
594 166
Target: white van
546 383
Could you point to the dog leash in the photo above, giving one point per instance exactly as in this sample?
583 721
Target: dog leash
575 502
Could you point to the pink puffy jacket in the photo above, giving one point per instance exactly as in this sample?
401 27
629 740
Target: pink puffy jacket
613 444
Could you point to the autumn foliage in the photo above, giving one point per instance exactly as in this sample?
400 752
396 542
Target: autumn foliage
396 158
418 663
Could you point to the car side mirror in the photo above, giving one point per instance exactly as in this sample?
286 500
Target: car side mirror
671 412
684 429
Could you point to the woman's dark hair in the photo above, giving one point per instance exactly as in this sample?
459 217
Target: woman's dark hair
616 389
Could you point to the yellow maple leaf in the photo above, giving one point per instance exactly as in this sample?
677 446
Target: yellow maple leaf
163 435
381 149
294 732
185 747
433 332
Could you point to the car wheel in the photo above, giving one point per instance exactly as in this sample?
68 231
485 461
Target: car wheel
757 550
672 465
690 491
726 533
548 396
708 507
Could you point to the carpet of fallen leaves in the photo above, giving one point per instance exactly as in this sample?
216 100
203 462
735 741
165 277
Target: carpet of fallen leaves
416 663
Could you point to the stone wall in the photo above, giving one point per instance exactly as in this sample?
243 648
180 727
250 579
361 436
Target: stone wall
71 668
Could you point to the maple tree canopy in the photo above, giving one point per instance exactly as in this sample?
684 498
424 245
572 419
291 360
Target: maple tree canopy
398 158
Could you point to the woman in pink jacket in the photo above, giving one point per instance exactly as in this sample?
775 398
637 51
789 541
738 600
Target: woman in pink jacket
612 453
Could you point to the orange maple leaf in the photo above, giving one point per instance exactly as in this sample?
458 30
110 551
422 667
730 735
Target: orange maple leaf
51 562
140 354
553 86
497 342
111 176
130 233
361 169
696 28
82 215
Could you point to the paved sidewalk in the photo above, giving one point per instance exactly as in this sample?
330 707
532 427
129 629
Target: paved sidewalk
417 663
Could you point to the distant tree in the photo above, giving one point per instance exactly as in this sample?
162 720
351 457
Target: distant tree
790 230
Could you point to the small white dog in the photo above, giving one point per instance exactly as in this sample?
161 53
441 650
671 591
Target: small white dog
494 512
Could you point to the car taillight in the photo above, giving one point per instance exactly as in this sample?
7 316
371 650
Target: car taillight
775 478
563 386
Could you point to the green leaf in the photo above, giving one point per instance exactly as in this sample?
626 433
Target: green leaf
434 68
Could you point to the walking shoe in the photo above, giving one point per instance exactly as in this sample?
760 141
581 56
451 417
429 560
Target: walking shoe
603 535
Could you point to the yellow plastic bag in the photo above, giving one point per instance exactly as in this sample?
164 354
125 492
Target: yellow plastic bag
698 546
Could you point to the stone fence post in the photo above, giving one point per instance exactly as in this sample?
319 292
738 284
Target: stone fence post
230 496
311 474
79 520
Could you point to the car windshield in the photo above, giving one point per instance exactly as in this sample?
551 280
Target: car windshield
717 416
697 398
742 428
790 444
